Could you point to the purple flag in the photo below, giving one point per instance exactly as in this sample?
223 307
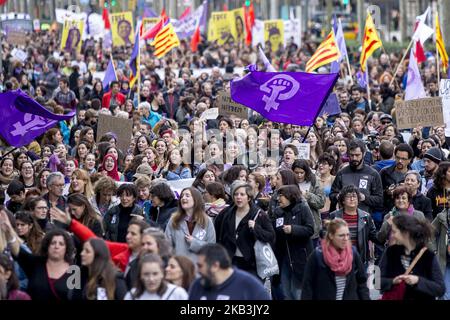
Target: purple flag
287 97
331 106
414 86
23 119
110 75
361 77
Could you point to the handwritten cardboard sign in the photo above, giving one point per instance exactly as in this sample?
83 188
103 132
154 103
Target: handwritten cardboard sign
425 112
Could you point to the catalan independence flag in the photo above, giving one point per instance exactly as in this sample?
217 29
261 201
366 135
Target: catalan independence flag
326 53
440 45
371 42
165 40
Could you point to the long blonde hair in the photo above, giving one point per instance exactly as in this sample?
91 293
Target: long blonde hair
83 175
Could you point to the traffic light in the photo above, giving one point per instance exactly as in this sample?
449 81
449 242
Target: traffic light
247 3
345 2
113 3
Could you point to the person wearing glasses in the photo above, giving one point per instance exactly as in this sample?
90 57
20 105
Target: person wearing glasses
334 270
360 223
55 185
402 206
393 175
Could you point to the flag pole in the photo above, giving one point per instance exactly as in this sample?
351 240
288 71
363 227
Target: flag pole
401 61
114 67
348 62
438 71
390 65
368 87
138 70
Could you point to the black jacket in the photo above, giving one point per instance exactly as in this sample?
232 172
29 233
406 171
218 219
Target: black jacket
367 180
431 282
366 232
111 221
422 203
440 200
243 237
297 245
319 281
388 178
159 216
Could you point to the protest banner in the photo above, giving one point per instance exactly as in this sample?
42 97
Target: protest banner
303 151
122 128
228 107
444 93
71 36
210 114
122 28
274 34
426 112
149 23
221 27
16 37
19 54
238 31
178 185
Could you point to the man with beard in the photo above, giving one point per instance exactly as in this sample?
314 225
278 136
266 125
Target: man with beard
220 281
393 175
431 160
362 176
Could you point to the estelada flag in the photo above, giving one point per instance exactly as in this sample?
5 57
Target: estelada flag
326 53
441 45
165 40
371 42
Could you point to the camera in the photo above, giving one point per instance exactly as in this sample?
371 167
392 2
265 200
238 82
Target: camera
372 141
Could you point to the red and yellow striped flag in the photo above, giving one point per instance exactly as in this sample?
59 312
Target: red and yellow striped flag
165 40
371 42
326 53
441 45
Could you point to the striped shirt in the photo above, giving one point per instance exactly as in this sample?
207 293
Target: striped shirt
405 260
340 286
352 221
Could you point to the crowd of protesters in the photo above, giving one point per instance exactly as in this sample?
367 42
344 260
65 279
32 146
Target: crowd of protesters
367 194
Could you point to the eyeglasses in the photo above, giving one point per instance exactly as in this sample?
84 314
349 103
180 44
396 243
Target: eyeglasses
351 196
61 185
385 122
401 159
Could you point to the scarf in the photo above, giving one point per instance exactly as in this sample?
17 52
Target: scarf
339 262
113 173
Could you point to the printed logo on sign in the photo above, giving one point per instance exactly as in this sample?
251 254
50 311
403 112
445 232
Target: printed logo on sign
275 87
363 184
267 253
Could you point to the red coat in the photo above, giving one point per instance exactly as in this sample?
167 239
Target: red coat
120 253
120 97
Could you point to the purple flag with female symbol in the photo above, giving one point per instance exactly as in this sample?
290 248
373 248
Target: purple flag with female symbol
23 119
287 97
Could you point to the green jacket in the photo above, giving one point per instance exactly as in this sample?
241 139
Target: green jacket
316 201
440 241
